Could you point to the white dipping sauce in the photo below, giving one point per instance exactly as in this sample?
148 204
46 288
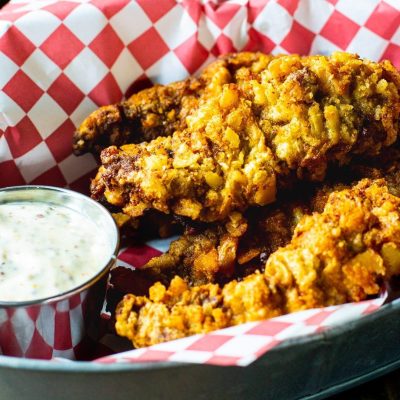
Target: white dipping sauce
46 250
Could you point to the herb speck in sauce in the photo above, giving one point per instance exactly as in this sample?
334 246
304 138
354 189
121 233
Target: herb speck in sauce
46 250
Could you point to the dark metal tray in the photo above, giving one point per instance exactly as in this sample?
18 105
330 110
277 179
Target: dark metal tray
311 367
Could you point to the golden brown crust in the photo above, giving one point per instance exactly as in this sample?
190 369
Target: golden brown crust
283 118
200 255
159 110
216 253
339 255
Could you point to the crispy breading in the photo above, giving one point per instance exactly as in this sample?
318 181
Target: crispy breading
287 121
216 253
159 110
339 255
220 252
202 255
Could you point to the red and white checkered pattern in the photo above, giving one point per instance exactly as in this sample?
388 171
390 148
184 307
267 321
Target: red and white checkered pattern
56 68
241 345
45 331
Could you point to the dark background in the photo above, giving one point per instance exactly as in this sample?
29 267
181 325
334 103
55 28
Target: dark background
385 388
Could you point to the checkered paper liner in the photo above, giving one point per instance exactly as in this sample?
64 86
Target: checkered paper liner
60 60
242 344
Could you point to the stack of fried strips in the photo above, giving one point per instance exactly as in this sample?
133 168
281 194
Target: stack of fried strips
284 170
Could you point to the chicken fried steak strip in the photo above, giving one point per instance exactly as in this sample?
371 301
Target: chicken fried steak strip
339 255
289 122
219 252
159 110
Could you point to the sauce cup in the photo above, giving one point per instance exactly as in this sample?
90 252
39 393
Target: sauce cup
59 325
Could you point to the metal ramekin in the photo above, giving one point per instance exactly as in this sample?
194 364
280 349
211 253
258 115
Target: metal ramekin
56 326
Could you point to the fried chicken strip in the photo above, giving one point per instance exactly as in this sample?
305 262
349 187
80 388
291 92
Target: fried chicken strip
288 122
159 110
219 252
339 255
200 255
